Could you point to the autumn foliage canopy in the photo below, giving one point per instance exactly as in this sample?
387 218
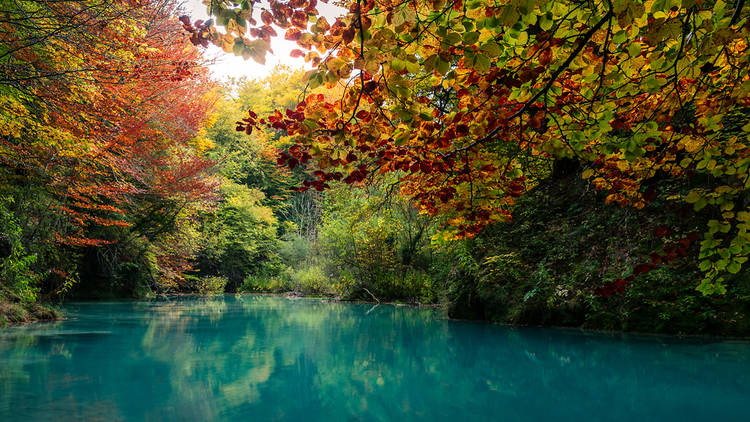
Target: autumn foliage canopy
472 102
101 112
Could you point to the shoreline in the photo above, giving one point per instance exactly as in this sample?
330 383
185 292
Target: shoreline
610 333
34 313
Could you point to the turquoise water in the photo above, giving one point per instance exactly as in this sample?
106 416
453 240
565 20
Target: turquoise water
263 358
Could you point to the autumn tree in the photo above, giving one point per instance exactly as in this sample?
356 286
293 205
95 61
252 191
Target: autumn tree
100 127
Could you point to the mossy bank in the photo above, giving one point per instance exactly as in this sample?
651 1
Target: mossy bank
21 313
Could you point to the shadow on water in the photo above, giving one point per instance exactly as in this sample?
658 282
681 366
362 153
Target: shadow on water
272 358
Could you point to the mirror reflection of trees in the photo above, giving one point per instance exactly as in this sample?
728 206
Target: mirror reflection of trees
271 358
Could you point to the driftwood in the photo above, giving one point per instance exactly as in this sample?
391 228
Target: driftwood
370 293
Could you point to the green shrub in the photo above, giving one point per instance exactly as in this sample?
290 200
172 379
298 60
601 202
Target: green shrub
211 285
295 250
345 285
267 284
311 280
17 276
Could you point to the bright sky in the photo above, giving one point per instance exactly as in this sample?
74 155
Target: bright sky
229 65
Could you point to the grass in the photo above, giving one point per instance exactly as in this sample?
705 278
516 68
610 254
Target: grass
22 313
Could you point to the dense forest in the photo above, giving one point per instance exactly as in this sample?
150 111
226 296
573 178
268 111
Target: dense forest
567 163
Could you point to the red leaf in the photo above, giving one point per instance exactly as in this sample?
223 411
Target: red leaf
299 19
348 35
642 269
545 57
292 34
663 231
266 17
371 86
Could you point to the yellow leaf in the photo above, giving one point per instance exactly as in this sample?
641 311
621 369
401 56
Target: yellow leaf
693 197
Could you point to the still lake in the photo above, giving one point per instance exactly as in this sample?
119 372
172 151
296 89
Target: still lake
267 358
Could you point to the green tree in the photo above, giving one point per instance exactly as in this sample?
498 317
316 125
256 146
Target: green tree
239 238
376 244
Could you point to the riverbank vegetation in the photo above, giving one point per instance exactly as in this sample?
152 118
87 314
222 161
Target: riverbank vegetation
547 163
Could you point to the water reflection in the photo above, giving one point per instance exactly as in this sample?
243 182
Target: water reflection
270 358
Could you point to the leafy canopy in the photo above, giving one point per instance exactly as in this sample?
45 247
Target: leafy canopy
473 100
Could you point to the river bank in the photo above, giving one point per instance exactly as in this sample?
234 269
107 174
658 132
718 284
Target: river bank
15 312
569 328
12 313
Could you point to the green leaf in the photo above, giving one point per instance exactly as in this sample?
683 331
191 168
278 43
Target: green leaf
634 49
707 287
398 18
430 63
401 138
452 38
481 63
705 265
238 46
442 66
316 80
491 49
545 23
734 267
470 37
509 15
693 197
